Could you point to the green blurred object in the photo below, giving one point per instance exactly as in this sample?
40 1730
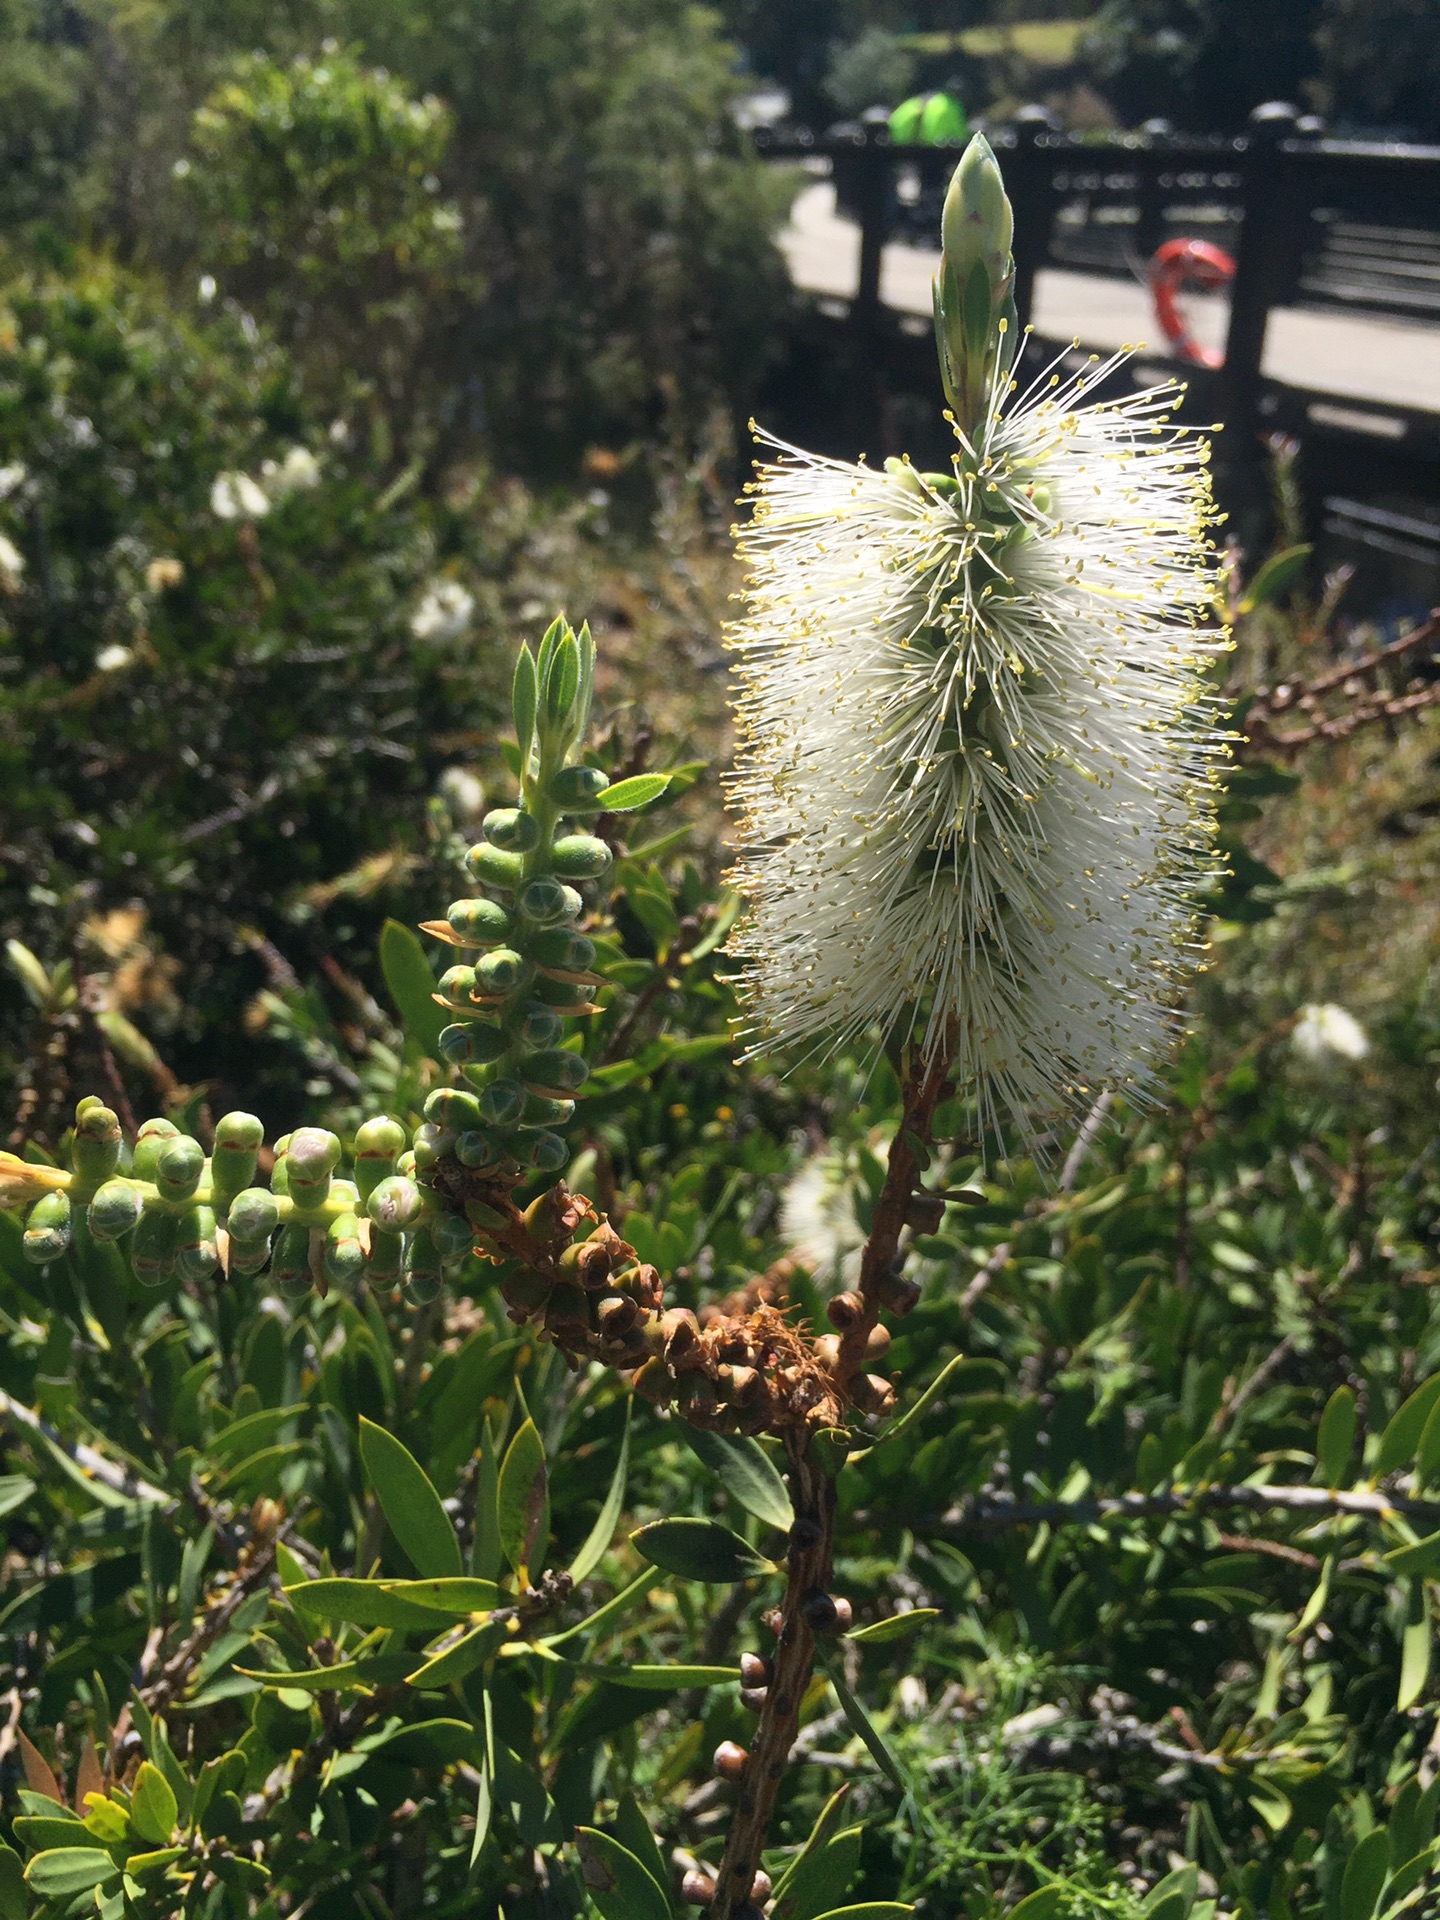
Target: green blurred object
929 120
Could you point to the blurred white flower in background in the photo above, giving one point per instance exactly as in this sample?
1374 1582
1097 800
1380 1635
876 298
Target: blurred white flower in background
12 562
462 794
111 659
1329 1036
11 477
235 496
296 473
818 1219
445 612
166 571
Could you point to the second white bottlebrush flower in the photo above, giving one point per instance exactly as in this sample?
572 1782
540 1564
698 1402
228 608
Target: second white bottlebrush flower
978 750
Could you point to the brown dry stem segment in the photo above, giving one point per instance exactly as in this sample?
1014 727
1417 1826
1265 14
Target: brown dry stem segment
807 1572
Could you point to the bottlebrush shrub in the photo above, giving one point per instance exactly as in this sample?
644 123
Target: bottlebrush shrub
1083 1565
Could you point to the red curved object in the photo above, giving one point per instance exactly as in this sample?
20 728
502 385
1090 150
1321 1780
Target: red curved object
1194 265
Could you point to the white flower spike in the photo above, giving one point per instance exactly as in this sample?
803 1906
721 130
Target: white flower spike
1328 1037
978 762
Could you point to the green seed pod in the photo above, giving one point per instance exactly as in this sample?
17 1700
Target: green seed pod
472 1043
152 1251
344 1255
396 1205
253 1216
196 1255
476 1148
580 856
432 1143
541 1110
378 1144
546 1152
511 829
557 1070
539 1026
423 1276
387 1252
150 1139
493 867
502 1103
453 1236
178 1167
47 1229
503 971
545 901
457 984
405 1165
481 923
290 1269
248 1256
95 1150
114 1210
310 1160
238 1137
558 947
563 995
578 788
450 1107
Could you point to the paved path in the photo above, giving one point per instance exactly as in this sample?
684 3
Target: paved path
1326 352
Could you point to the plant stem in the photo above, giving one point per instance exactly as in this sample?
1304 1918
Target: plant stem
808 1572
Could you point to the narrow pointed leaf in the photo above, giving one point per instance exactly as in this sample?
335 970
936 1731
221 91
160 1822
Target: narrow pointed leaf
617 1883
523 1500
700 1550
746 1472
410 1503
638 791
412 983
603 1531
860 1721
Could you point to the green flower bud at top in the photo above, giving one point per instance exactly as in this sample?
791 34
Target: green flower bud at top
539 1026
974 289
493 867
344 1255
290 1269
178 1167
501 1103
546 1152
238 1138
544 901
557 1070
84 1104
148 1142
47 1229
114 1210
378 1145
476 1148
196 1255
453 1236
254 1215
558 947
472 1043
457 983
503 971
396 1204
511 829
96 1146
450 1107
576 787
152 1251
485 923
580 856
310 1159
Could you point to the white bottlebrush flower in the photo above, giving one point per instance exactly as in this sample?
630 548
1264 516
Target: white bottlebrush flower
296 473
1327 1036
110 659
11 478
978 752
12 561
444 613
235 496
818 1221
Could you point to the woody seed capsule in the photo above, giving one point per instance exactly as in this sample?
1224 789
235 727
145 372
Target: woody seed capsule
844 1311
730 1760
755 1670
698 1889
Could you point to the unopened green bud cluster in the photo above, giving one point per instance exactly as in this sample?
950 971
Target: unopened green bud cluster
976 329
188 1215
508 1040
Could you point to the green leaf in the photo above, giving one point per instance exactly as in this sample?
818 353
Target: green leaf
66 1870
1427 1454
632 1830
562 683
360 1603
459 1595
153 1807
376 1670
747 1473
525 701
604 1617
1184 1881
700 1550
1422 1558
608 1518
1400 1439
617 1883
638 791
410 1503
1279 573
38 1833
872 1910
15 1490
1415 1645
1365 1873
455 1663
949 1375
662 1679
432 1743
13 1903
412 985
895 1628
1315 1605
522 1500
1336 1437
1040 1905
860 1721
805 1875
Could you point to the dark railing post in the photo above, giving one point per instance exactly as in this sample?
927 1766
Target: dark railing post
1030 177
873 167
1252 292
